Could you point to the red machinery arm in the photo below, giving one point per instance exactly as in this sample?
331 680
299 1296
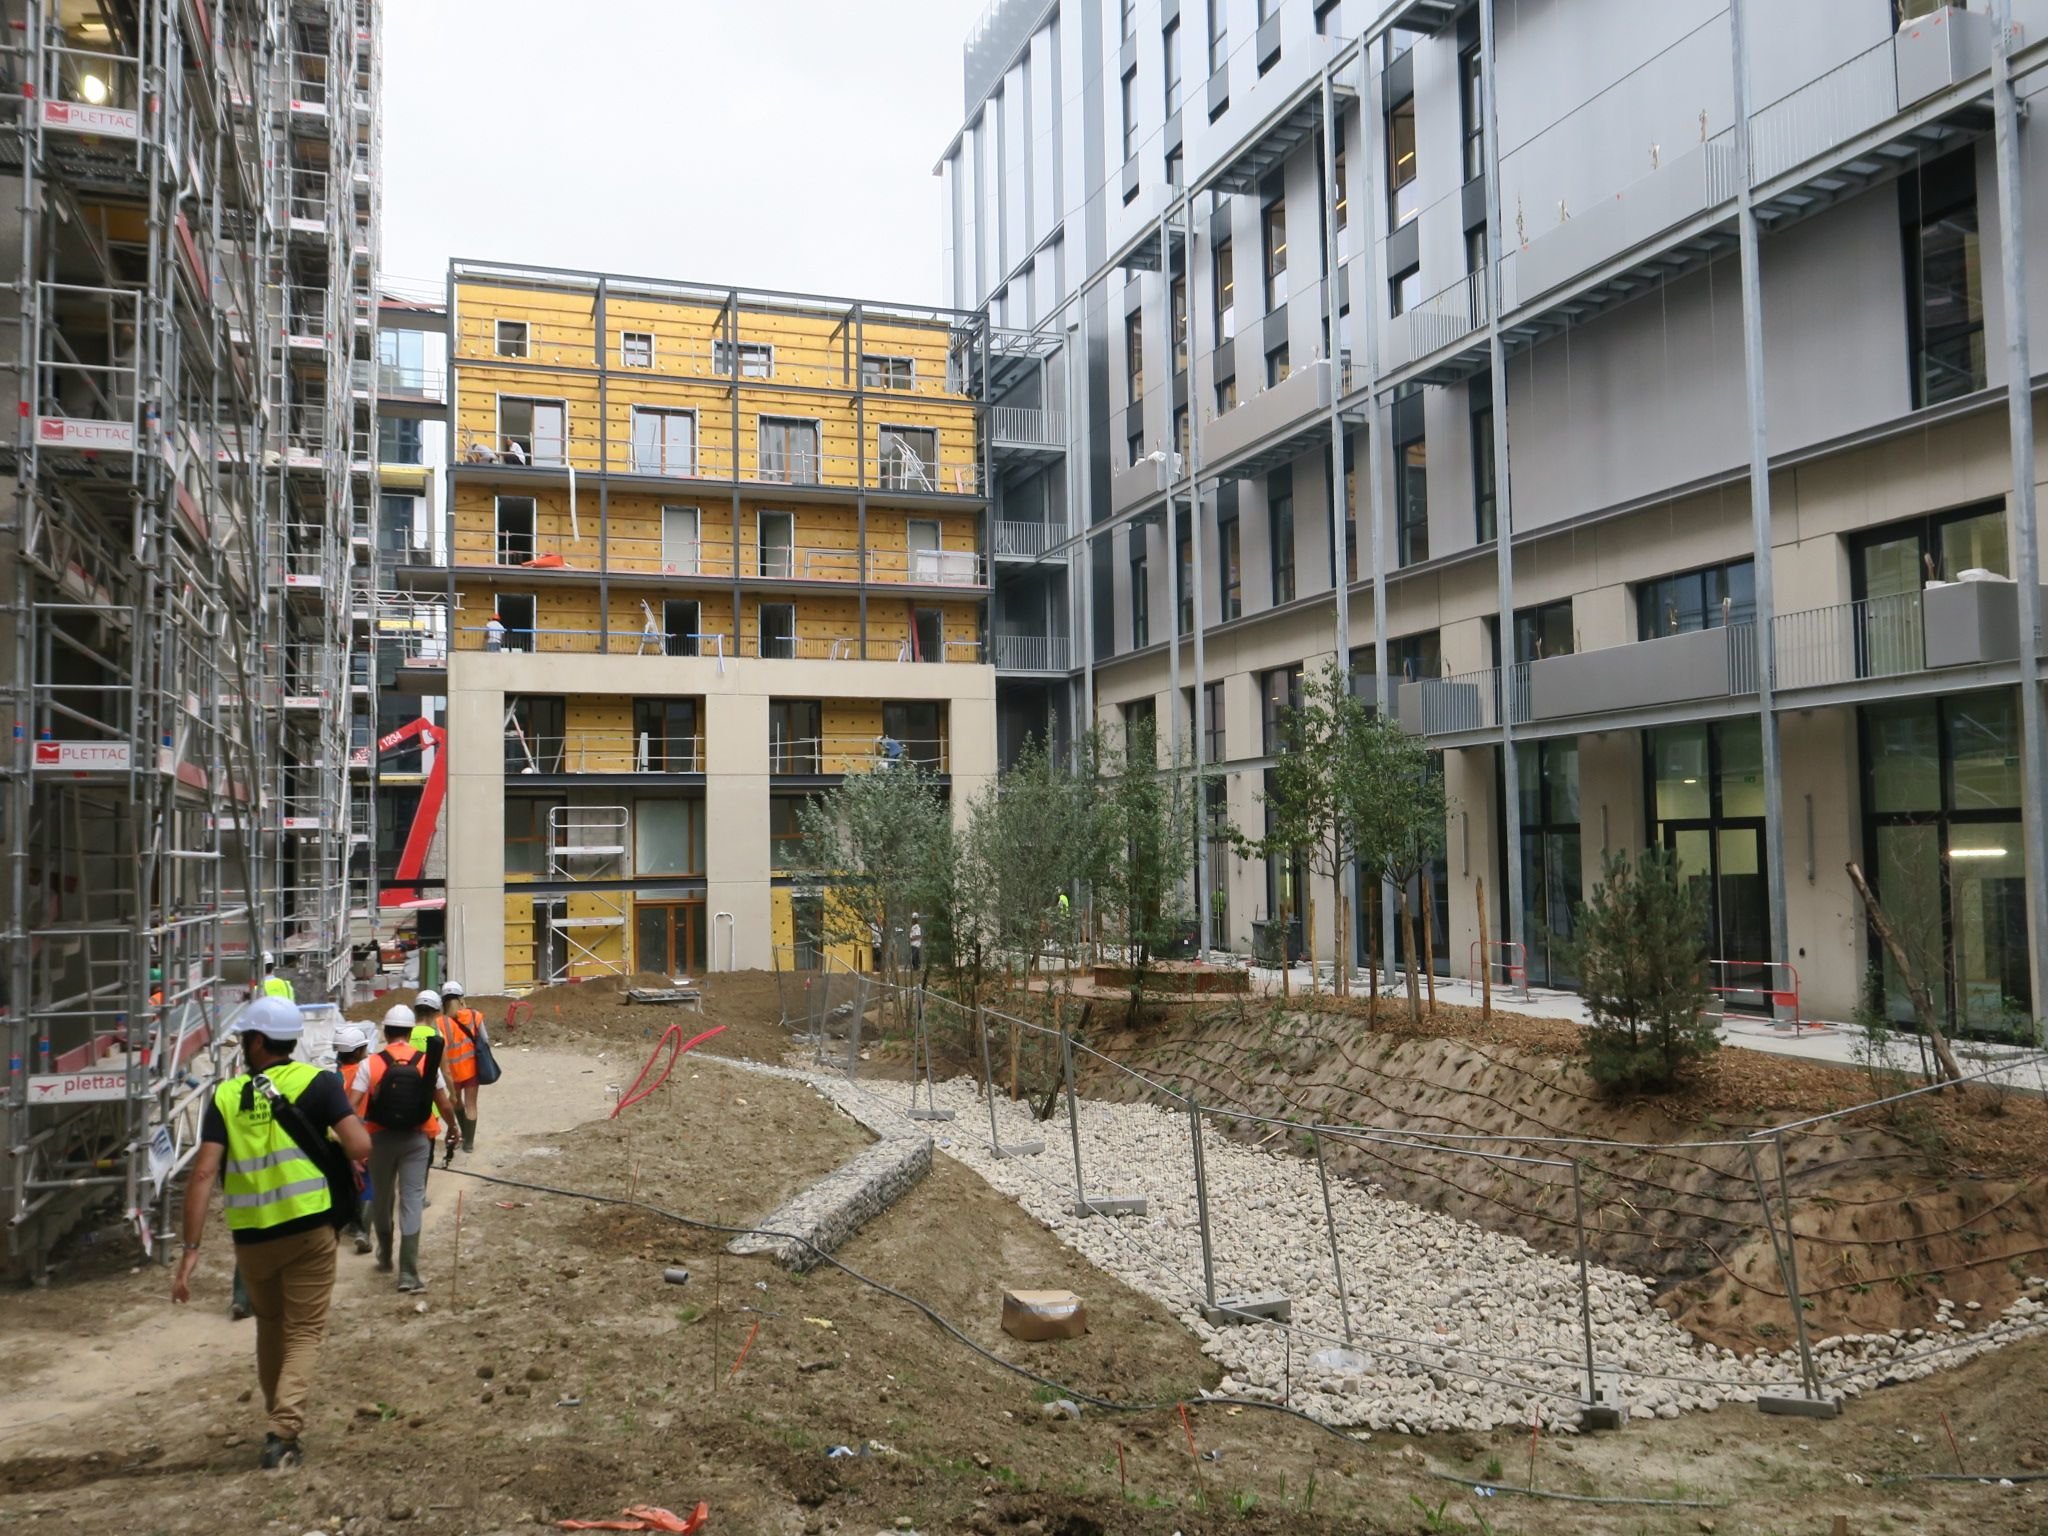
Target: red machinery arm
412 859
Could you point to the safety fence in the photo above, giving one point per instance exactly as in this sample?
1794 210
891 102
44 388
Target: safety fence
1742 1221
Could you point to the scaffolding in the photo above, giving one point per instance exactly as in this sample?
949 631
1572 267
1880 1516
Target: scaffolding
183 178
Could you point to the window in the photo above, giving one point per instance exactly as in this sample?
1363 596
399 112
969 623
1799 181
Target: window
909 458
397 528
756 358
1141 590
636 349
532 431
1703 599
668 837
535 735
793 735
1135 444
1173 168
1943 838
1280 532
1131 116
665 736
1277 368
682 624
775 544
1171 39
1549 772
526 833
664 442
1213 740
778 631
1279 697
785 831
681 541
398 440
1226 292
1273 231
1472 108
921 729
1128 22
1706 796
1944 278
401 363
513 338
1229 575
1343 208
515 520
1485 510
1890 567
1219 34
1401 187
1180 441
1177 299
519 612
879 372
789 450
1411 478
1545 630
1184 575
1134 355
1404 291
1216 792
1329 19
1226 394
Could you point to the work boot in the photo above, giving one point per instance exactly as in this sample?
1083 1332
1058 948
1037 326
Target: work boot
409 1264
384 1250
279 1453
468 1127
360 1228
238 1298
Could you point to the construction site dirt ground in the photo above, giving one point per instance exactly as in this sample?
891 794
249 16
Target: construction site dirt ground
557 1375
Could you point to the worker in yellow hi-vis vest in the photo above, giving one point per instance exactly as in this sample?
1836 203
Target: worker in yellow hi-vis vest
275 985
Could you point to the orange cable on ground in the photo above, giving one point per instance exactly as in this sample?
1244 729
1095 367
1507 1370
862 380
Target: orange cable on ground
672 1037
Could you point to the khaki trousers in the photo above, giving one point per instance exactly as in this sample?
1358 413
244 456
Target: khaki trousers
290 1282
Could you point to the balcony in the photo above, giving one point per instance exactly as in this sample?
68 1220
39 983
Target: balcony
1019 433
1025 540
720 561
1270 115
1051 654
603 752
1238 439
526 457
406 389
1442 320
826 756
1849 642
709 645
1135 484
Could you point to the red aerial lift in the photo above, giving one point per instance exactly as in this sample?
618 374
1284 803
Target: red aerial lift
412 859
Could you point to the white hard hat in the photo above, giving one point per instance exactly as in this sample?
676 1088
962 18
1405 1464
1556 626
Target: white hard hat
452 989
273 1018
398 1016
269 958
349 1037
429 999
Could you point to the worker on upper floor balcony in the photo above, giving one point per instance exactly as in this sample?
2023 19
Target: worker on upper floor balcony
494 633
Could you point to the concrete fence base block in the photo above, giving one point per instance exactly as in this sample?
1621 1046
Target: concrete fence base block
1603 1416
931 1114
1800 1407
1110 1205
1263 1306
1020 1149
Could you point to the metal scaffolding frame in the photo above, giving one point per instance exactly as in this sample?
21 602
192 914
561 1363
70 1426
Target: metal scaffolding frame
174 561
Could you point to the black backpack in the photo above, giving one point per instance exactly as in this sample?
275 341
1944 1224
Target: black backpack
403 1099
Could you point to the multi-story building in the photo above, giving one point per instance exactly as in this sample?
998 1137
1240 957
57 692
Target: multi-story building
1440 340
191 221
707 551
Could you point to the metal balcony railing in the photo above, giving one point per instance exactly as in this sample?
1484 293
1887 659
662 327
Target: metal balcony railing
1448 316
603 751
1876 637
1031 653
1027 427
1025 539
856 754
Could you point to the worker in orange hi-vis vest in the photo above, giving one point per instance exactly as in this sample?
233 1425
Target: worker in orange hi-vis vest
464 1026
396 1092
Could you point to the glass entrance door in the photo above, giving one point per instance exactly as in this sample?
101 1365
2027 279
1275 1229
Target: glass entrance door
668 937
1725 864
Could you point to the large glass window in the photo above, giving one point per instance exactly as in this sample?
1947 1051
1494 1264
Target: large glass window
664 441
1707 808
526 833
1178 300
1545 630
1226 292
531 431
1130 103
793 728
1279 697
1890 568
398 440
1943 844
1472 108
1171 39
1704 599
1134 356
1944 277
1229 563
1280 532
1411 479
1549 773
785 832
788 450
1402 202
535 733
668 837
1141 591
1219 34
1273 228
666 736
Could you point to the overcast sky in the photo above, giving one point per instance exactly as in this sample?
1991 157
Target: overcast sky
765 143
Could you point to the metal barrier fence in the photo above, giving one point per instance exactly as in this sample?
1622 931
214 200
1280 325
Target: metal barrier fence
1582 1197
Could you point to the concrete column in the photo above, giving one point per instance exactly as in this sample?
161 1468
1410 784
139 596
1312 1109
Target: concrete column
736 822
1471 849
474 821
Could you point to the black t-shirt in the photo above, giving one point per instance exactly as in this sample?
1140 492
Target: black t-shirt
324 1104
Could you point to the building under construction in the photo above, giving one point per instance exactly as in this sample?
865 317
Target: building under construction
191 190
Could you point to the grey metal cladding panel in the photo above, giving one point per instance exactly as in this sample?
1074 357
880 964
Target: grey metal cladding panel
1223 361
1408 707
1267 42
1939 50
1219 89
1294 399
1180 389
1398 80
1661 671
1170 135
1133 294
1970 622
1404 248
1133 487
1127 57
1473 207
1273 329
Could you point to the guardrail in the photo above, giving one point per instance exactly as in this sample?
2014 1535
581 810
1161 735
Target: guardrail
1031 653
850 753
589 640
955 473
1026 426
1828 110
1025 539
718 560
1874 637
603 751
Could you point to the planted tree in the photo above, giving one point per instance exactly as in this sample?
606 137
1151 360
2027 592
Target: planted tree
1640 950
1143 890
882 843
1305 800
1392 790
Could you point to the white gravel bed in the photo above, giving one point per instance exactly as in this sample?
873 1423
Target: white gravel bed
1454 1326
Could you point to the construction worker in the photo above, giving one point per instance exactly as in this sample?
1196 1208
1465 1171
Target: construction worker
351 1045
280 1207
461 1027
273 984
397 1096
494 633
